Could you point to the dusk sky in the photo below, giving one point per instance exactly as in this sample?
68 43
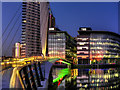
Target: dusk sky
69 17
97 15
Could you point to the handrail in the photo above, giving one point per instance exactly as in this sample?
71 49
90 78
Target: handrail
30 76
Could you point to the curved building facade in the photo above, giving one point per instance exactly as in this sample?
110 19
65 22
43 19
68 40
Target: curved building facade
98 47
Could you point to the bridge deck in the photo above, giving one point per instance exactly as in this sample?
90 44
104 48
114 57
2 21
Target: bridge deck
10 73
6 76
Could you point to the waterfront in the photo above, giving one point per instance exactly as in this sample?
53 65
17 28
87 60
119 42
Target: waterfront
90 79
38 53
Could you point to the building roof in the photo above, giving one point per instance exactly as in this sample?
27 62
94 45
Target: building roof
59 31
103 32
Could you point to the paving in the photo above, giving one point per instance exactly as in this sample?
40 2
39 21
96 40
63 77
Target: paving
6 76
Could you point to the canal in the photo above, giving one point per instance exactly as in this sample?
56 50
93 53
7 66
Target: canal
86 79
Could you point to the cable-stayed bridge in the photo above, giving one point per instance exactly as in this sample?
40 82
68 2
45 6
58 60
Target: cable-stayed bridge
28 73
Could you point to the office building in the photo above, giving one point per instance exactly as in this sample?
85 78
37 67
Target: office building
61 44
97 47
83 46
34 28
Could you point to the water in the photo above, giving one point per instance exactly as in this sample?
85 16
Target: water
88 79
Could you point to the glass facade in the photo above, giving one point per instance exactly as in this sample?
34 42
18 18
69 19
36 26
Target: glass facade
104 48
83 49
61 44
83 46
98 47
56 45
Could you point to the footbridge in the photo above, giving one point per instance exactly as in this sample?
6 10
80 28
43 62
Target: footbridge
33 76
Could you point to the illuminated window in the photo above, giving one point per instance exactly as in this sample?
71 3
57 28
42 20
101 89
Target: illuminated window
82 56
85 52
82 43
83 29
82 48
24 21
83 39
59 39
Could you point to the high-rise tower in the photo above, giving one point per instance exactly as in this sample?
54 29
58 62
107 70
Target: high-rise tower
34 28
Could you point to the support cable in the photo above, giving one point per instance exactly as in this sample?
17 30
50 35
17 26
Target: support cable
13 38
11 21
17 40
11 29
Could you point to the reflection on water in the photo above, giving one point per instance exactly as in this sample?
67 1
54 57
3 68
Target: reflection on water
98 78
88 79
64 78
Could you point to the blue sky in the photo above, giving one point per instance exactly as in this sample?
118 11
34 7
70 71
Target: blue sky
69 17
97 15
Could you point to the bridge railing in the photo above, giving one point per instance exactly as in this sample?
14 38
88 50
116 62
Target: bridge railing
34 75
30 76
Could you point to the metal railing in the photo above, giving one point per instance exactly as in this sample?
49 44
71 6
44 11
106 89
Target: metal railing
30 76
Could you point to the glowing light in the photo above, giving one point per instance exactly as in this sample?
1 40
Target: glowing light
80 85
83 56
116 75
62 74
2 63
59 39
24 21
17 49
92 81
